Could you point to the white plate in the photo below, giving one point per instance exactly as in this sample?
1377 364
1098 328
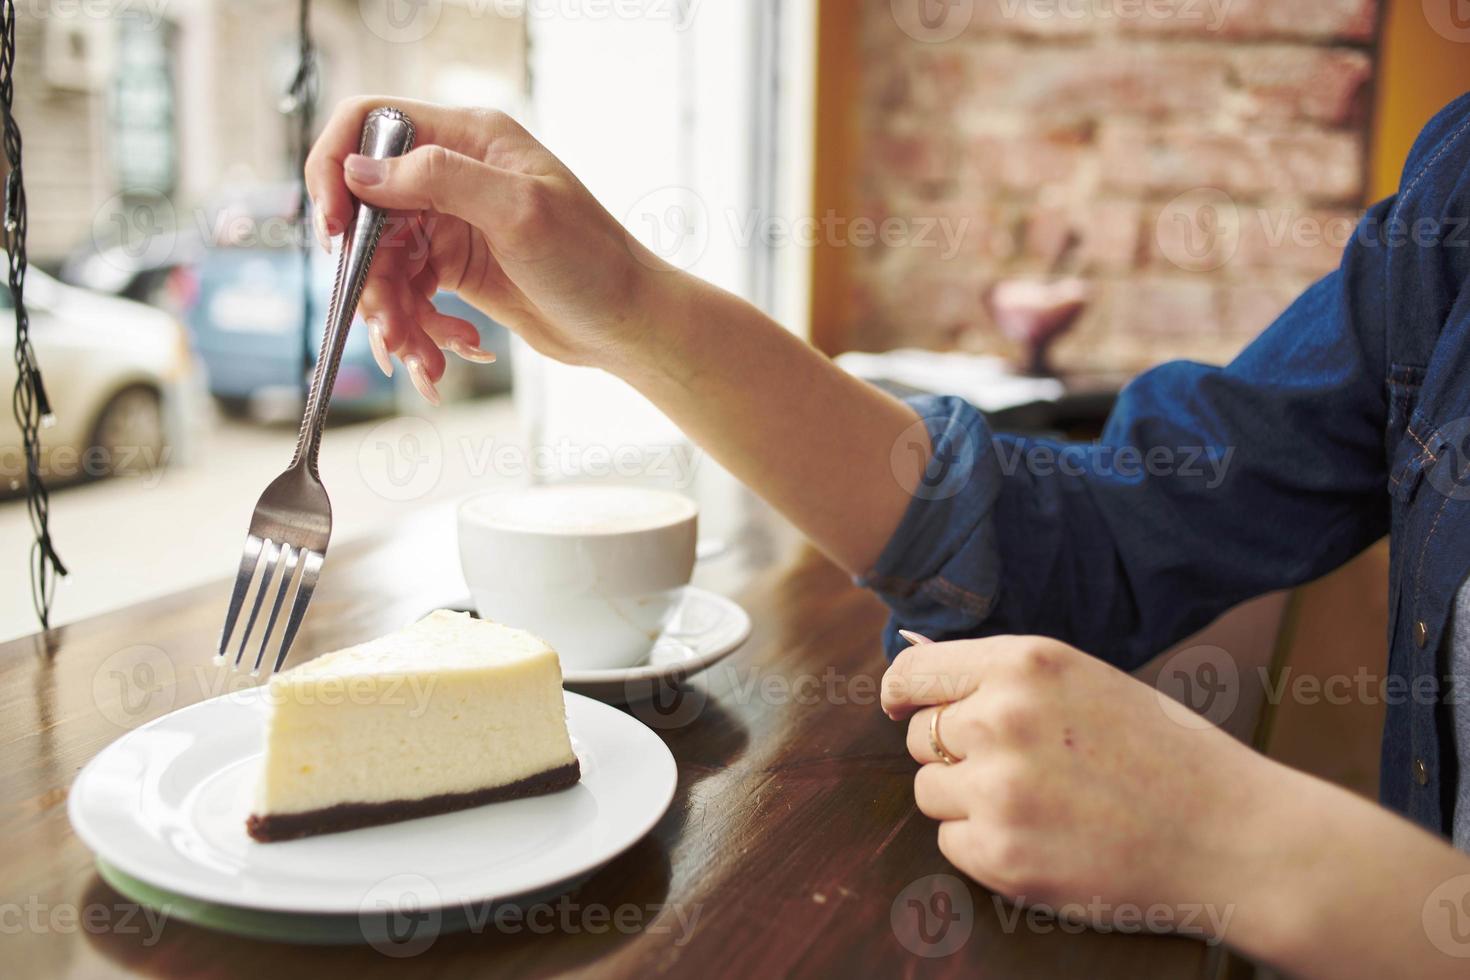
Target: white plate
705 629
167 803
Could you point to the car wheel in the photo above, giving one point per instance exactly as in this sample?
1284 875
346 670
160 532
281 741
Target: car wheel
128 439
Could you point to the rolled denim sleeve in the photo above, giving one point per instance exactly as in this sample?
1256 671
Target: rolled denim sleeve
950 517
1210 485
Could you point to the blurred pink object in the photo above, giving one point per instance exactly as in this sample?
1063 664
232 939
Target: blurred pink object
1035 312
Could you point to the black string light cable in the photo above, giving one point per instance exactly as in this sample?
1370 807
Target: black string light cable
300 101
32 410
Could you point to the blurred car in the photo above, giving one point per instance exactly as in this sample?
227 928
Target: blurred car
147 274
246 324
233 274
120 377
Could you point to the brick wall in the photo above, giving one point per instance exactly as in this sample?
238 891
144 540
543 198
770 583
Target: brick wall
1208 155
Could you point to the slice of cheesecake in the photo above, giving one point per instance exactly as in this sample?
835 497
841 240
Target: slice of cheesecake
451 712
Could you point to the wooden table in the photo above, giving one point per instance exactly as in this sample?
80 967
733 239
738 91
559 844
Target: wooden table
792 846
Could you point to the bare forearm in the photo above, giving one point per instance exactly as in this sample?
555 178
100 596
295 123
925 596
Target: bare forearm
524 240
1346 889
809 438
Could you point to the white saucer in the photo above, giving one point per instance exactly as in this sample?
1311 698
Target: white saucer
705 629
167 803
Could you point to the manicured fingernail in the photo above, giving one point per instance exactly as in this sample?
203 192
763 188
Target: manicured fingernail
470 352
379 346
419 375
365 170
323 236
914 638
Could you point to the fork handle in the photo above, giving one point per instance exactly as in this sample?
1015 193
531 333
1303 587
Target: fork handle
386 132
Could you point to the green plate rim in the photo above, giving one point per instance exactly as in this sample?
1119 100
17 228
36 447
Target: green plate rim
293 927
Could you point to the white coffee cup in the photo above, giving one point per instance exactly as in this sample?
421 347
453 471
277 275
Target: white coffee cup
596 571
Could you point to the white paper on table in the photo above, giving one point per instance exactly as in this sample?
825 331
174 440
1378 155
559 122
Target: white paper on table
983 380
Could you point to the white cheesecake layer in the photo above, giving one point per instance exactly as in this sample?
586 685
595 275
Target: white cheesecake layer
450 704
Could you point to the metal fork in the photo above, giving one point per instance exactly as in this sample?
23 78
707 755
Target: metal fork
292 522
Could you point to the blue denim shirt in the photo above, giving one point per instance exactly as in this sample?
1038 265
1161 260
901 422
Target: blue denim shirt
1347 419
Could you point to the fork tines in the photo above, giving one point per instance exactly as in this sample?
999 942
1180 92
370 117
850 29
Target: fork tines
288 560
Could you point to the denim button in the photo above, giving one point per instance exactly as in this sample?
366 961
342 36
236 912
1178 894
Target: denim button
1421 634
1421 772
